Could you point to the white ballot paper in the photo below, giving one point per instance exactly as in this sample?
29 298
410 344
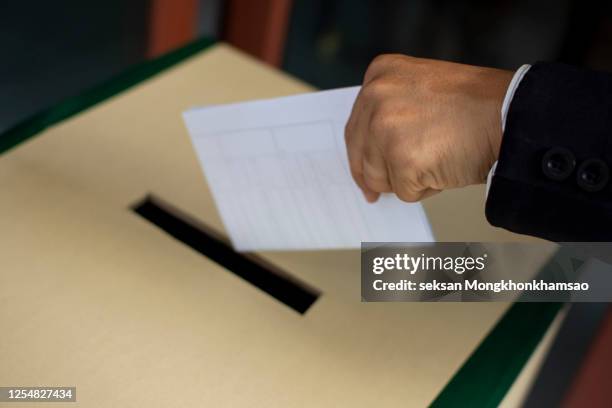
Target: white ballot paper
279 173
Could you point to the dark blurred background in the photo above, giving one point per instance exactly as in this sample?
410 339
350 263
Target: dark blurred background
53 50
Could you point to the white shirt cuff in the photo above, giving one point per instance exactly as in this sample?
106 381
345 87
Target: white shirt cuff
516 80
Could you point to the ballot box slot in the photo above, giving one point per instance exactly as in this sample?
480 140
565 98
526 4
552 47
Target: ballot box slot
265 276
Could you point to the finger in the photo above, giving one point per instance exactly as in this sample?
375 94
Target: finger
416 196
355 139
371 196
354 146
375 172
405 188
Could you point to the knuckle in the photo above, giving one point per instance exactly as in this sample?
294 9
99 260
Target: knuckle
408 196
420 179
385 60
420 173
381 60
376 184
376 64
383 119
371 176
381 64
375 179
407 190
375 89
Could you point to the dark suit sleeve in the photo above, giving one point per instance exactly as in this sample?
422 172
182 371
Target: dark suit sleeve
553 178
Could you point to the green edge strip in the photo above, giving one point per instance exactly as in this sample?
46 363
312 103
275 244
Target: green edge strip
71 106
489 372
487 375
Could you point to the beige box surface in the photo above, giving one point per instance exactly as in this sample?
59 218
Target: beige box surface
93 296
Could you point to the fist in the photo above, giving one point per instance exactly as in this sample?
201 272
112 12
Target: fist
420 126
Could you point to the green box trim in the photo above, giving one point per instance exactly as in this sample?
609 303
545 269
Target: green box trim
117 84
487 375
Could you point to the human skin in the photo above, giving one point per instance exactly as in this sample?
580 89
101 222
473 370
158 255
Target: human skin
419 126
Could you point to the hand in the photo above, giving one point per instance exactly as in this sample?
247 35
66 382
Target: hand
420 126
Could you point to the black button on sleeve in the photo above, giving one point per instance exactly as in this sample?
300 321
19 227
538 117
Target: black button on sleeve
593 175
558 163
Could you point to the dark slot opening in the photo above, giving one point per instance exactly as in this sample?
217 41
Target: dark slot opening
249 267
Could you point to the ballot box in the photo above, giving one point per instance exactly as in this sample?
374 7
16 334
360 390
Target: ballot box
94 294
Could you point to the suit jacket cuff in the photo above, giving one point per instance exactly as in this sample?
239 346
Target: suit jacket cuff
514 83
552 176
